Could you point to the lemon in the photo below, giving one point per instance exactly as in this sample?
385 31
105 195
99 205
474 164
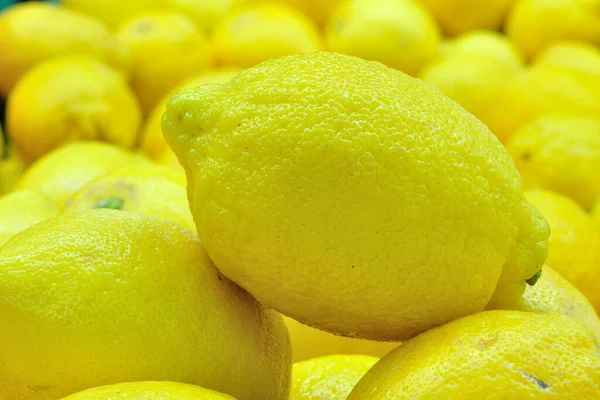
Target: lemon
316 10
259 32
170 160
33 32
553 294
574 244
21 209
560 153
12 167
492 355
205 13
113 12
153 190
543 90
65 170
398 33
104 296
459 16
534 24
471 80
580 57
332 377
149 391
310 343
183 50
67 99
153 142
485 44
326 193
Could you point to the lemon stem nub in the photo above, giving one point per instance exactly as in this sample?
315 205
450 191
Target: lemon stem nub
114 203
531 281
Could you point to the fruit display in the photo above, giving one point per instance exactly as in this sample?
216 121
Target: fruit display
299 199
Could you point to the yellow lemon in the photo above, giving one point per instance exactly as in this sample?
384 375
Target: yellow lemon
553 294
543 90
285 169
170 160
263 31
67 99
166 47
332 377
471 80
65 170
21 209
316 10
104 296
534 24
308 342
459 16
205 13
491 355
149 391
33 32
560 153
113 12
12 167
398 33
153 142
153 190
580 57
485 44
574 244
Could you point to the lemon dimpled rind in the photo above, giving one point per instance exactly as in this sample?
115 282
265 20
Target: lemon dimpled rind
326 174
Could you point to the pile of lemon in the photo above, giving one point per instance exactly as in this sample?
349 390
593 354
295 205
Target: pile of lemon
300 199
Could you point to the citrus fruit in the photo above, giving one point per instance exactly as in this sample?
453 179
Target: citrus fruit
166 47
284 170
542 90
560 153
459 16
398 33
11 169
170 160
332 377
105 296
153 190
22 208
149 391
113 12
493 355
37 31
553 294
66 169
574 243
205 13
153 142
68 99
262 31
579 57
316 10
308 342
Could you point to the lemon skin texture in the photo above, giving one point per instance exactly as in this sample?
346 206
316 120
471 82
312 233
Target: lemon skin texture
68 99
398 33
153 190
332 377
553 294
183 48
491 355
105 296
262 31
153 142
574 243
65 170
284 170
308 342
37 31
560 153
535 24
22 208
459 16
149 391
